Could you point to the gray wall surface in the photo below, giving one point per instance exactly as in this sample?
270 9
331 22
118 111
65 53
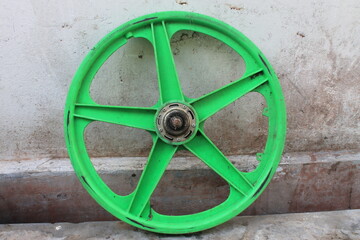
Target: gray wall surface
313 45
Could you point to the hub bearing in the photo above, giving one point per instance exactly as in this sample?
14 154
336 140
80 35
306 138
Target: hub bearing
176 122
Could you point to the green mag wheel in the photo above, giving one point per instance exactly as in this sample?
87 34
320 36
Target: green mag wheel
175 121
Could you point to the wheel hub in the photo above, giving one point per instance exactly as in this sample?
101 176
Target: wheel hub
176 122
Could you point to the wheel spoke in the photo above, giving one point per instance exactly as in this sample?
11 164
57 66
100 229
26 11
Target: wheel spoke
160 156
136 117
169 85
213 102
202 147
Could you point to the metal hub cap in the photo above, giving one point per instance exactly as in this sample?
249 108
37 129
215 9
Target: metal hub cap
176 123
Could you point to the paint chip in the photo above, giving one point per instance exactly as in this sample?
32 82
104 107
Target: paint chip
233 7
300 34
181 2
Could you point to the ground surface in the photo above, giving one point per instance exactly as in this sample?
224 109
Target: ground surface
317 225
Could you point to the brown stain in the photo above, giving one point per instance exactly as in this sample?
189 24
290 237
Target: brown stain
181 2
321 114
312 157
323 187
300 34
102 140
182 36
237 130
233 7
333 167
43 199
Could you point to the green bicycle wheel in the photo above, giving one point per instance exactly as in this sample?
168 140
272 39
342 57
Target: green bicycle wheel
175 121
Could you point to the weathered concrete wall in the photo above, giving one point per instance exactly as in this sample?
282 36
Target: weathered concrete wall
47 190
313 45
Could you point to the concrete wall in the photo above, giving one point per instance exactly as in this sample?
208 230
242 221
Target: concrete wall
314 47
47 190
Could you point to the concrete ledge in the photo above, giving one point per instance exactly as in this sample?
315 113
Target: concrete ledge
309 226
47 190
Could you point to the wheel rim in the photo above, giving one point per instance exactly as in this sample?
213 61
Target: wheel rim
135 209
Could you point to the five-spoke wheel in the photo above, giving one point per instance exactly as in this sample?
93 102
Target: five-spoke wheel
175 121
